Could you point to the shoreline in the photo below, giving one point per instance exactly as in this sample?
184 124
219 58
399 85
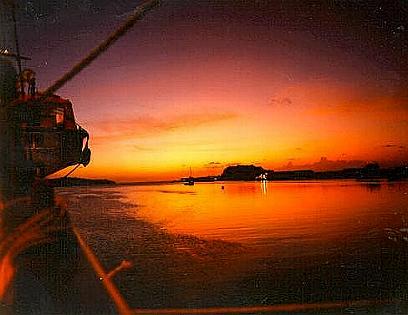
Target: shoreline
305 181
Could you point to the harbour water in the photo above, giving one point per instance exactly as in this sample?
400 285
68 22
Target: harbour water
249 243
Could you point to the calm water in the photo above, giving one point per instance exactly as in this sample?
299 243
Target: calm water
249 243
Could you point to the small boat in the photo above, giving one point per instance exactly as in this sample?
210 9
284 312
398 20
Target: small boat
189 181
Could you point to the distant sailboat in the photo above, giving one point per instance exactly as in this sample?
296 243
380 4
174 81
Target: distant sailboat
189 181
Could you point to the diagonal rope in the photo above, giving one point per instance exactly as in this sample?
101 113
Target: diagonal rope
73 170
121 305
137 15
269 309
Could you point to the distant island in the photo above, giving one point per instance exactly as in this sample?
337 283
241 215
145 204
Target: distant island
75 181
371 171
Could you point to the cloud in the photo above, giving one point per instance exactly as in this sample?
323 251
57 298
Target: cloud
325 164
327 95
115 129
142 148
392 145
213 165
281 101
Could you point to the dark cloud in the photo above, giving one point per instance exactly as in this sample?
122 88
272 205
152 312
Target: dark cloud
391 145
285 101
325 164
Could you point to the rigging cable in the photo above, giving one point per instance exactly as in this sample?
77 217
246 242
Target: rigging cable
73 170
137 15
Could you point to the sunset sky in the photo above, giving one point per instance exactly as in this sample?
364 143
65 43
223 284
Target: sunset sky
207 84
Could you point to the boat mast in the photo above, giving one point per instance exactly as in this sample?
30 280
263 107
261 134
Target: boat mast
13 16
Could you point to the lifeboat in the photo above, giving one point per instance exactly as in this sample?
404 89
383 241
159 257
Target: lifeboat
46 137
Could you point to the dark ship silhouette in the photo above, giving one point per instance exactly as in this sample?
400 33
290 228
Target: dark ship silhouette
45 265
41 135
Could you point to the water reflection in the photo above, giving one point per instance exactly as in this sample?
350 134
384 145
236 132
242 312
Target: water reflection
372 186
251 212
249 243
264 187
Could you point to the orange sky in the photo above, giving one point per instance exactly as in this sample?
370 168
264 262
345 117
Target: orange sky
215 124
209 114
207 86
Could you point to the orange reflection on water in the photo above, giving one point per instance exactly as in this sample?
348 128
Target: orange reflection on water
253 211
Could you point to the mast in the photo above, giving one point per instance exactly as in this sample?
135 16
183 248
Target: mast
13 16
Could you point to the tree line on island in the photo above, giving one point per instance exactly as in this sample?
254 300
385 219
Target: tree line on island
371 171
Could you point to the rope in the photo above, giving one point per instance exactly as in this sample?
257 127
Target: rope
307 307
117 298
137 15
73 170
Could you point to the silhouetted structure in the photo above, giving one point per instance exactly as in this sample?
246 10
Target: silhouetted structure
371 171
291 175
242 172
